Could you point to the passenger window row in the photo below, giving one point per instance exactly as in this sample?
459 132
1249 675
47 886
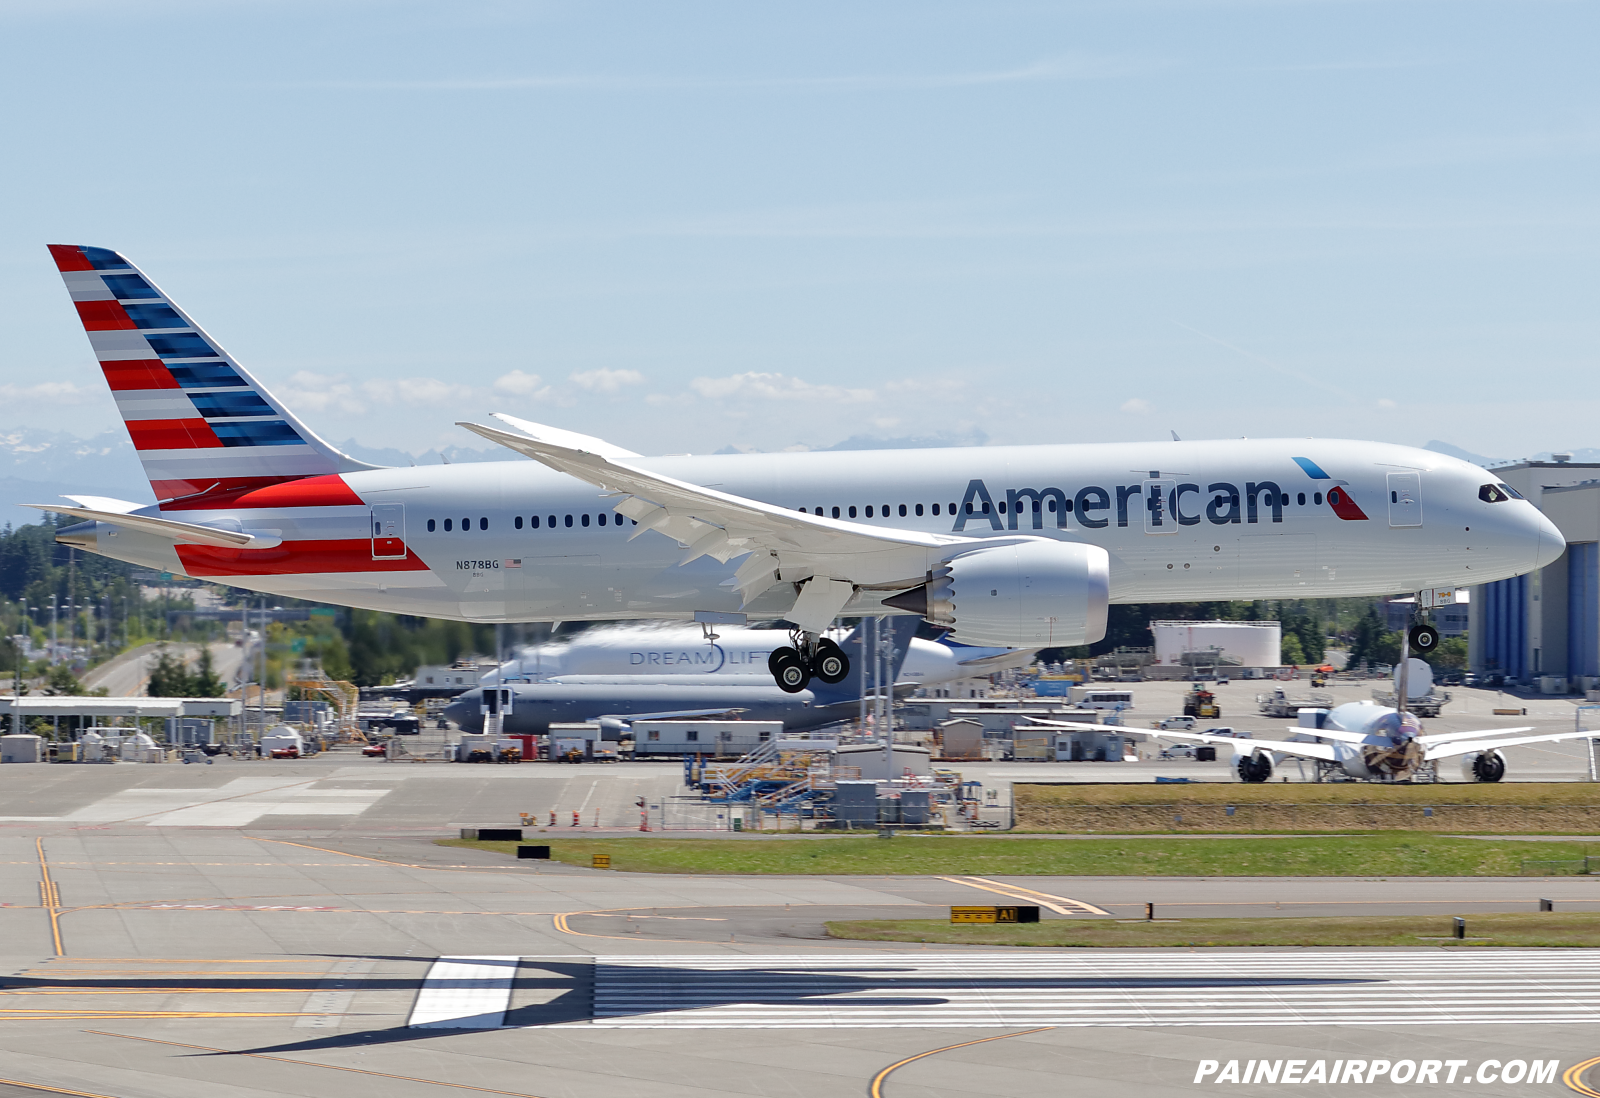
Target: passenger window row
535 522
885 511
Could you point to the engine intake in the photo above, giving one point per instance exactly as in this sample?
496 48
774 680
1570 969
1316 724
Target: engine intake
1028 594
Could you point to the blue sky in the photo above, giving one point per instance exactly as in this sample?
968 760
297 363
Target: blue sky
681 226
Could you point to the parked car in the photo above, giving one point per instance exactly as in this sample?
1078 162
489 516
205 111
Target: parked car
1236 733
1179 751
1176 724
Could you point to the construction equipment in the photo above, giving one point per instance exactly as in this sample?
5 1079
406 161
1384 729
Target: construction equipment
1202 704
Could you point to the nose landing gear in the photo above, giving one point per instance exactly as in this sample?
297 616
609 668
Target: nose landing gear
810 656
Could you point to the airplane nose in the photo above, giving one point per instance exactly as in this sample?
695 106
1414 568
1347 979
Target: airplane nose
1551 542
460 710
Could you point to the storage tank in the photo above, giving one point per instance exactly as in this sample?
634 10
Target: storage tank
1237 643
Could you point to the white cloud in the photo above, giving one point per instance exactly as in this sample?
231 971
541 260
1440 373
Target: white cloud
606 381
1386 404
1136 407
416 390
312 392
761 386
517 383
47 392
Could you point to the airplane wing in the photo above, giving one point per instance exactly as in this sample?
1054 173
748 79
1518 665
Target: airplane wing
673 714
783 545
1082 726
1463 747
1243 746
984 665
1447 737
180 533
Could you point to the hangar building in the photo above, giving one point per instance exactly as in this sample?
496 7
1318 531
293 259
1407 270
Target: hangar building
1544 628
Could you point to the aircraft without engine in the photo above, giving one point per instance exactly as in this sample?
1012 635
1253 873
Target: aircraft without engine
1014 546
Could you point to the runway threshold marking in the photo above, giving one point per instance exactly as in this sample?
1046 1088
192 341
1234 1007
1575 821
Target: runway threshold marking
1573 1077
50 896
311 1063
471 992
1018 892
875 1088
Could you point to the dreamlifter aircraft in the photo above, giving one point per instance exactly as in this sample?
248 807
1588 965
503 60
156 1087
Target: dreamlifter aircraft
1019 546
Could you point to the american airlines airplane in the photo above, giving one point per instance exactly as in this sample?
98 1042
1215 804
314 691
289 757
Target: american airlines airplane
1014 546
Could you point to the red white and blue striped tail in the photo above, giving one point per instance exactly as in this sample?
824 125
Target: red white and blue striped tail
205 429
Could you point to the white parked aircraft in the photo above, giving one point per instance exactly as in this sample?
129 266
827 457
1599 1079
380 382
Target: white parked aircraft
1361 740
1020 546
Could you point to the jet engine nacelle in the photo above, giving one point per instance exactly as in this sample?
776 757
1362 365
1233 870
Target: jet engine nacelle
1030 594
1251 766
1483 766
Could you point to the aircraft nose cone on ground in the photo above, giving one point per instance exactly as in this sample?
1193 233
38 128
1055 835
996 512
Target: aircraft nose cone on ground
464 710
85 535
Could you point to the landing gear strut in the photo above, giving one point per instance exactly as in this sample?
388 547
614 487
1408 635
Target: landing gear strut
807 655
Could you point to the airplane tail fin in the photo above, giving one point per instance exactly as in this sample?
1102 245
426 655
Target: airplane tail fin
204 428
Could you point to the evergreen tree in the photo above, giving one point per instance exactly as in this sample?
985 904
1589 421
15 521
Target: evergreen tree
169 678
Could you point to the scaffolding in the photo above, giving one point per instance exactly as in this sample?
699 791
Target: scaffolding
313 682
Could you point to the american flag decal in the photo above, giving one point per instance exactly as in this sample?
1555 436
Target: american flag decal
514 563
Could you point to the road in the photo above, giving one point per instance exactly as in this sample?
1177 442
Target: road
125 675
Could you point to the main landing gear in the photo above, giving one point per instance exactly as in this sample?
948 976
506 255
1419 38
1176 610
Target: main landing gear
807 656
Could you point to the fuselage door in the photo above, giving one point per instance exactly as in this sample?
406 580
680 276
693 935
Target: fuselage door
1405 499
389 531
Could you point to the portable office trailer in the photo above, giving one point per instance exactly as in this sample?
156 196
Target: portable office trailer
884 762
692 737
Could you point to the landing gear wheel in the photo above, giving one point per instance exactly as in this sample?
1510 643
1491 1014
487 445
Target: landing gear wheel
789 671
831 664
1424 639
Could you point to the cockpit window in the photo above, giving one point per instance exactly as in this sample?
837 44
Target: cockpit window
1493 493
1510 491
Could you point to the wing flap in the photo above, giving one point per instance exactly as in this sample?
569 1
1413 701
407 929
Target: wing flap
180 533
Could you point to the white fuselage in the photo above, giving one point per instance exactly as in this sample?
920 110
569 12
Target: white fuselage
1181 521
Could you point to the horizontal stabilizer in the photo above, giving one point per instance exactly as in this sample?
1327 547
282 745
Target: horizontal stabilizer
180 533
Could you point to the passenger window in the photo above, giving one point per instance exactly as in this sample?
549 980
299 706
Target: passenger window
569 520
518 522
852 511
1317 499
949 510
935 509
1301 499
869 510
447 525
534 522
585 519
884 510
819 512
430 526
601 518
919 510
835 512
466 524
903 510
483 524
553 522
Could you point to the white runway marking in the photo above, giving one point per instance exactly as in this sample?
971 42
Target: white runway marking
991 990
239 803
465 993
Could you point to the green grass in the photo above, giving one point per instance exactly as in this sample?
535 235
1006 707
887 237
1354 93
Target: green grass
1381 854
1521 929
1497 793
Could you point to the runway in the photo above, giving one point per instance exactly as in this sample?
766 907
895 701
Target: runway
148 949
